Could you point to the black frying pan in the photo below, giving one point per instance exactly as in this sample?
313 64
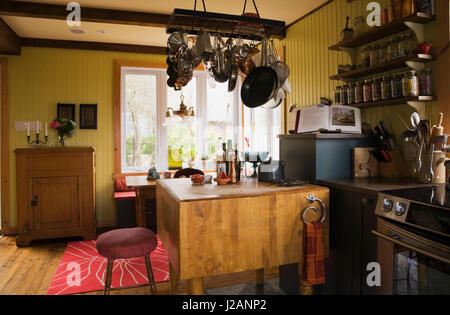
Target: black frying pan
258 87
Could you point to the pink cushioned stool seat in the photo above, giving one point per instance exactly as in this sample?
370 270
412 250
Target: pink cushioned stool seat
126 243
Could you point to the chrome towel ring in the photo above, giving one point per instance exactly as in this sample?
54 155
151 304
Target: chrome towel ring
323 209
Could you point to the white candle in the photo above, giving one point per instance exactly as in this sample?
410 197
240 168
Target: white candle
37 127
28 129
46 129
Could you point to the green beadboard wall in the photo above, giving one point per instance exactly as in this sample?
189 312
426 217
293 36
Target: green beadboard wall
42 77
312 63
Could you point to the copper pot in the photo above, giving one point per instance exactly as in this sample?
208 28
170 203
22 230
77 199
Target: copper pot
246 65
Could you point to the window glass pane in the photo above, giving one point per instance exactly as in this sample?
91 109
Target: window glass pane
140 122
181 136
220 113
276 130
260 127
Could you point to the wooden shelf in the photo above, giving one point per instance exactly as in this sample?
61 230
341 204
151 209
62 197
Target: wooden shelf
396 101
388 66
381 32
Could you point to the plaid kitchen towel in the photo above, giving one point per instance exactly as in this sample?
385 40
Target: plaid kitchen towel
313 263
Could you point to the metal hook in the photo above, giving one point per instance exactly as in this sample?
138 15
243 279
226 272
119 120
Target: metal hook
311 198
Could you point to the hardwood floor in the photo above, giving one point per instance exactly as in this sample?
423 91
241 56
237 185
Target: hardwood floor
29 271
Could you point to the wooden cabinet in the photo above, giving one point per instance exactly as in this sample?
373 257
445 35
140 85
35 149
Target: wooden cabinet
55 193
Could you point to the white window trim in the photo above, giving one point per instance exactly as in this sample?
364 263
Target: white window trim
161 130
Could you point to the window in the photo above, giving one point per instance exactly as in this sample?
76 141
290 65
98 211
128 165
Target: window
146 140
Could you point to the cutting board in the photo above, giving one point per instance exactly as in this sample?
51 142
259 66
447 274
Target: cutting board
364 164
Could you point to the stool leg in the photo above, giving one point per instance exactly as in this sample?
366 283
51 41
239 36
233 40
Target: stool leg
108 276
151 279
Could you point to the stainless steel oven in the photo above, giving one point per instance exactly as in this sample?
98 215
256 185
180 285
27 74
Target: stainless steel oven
413 230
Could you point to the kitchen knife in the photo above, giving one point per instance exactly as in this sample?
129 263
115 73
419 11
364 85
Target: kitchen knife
380 152
390 140
381 138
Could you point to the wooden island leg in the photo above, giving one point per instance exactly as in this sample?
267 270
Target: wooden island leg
305 288
260 281
195 286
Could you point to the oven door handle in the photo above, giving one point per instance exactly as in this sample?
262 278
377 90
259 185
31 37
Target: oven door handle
399 240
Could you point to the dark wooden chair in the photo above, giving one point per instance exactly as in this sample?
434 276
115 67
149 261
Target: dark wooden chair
187 172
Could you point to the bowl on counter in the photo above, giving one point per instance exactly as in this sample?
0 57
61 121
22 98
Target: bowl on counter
197 179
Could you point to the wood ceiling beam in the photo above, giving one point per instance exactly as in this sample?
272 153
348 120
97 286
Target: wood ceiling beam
9 41
69 44
59 12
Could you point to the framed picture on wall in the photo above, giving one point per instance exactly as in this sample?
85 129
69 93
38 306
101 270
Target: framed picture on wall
66 111
88 116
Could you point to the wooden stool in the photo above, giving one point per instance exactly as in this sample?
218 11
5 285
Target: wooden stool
126 244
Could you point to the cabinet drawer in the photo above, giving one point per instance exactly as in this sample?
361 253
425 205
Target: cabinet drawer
61 162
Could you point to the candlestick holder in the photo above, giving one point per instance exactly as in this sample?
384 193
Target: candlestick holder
37 143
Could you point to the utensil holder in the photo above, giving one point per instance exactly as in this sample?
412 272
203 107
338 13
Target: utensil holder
426 173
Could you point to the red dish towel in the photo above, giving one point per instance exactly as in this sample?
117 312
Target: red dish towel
313 264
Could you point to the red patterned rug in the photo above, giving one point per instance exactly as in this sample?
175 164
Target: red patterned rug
82 269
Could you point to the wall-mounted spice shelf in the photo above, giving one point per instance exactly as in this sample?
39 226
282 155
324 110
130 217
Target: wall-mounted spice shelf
388 66
396 101
380 32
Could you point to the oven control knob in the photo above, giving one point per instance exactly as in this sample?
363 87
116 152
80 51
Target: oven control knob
400 209
388 205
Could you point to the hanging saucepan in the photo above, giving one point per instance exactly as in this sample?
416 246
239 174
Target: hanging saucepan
246 65
281 68
261 84
232 81
176 41
275 101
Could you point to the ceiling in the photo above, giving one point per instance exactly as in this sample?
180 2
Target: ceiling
284 10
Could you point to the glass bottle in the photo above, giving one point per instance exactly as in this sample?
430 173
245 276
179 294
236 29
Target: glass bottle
401 46
365 57
386 89
376 90
367 91
382 53
374 55
396 85
410 84
337 95
425 80
344 96
359 92
351 93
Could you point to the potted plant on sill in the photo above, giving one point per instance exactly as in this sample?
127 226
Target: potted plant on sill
65 129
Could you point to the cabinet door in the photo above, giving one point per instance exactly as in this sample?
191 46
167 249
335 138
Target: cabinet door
56 202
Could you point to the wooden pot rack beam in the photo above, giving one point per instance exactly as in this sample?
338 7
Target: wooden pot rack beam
234 26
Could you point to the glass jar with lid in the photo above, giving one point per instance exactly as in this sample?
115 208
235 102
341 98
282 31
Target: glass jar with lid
359 92
393 48
374 55
402 43
410 84
425 80
382 53
386 89
365 57
344 95
337 95
367 92
376 90
351 93
396 85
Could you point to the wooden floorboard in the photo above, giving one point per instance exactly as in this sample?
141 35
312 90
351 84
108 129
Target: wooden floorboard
29 271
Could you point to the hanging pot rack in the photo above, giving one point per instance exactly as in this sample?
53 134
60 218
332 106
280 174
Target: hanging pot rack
232 26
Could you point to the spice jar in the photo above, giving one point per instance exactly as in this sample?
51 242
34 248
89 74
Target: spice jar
396 85
344 95
365 57
351 93
410 84
359 92
393 49
367 94
376 90
374 55
425 79
337 95
386 90
382 53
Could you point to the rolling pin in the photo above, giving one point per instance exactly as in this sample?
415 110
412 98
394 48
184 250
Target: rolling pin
437 130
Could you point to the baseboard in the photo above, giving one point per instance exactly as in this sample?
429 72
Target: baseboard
9 231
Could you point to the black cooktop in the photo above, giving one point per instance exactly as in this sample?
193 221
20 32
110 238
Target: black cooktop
438 195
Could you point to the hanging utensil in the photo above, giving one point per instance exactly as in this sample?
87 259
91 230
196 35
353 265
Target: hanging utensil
176 41
259 86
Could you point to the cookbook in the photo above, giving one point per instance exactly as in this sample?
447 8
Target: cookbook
336 118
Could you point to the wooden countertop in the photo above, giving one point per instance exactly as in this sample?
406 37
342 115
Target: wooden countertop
370 185
139 181
184 190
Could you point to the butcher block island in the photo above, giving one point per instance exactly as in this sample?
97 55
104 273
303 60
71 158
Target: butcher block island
210 229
